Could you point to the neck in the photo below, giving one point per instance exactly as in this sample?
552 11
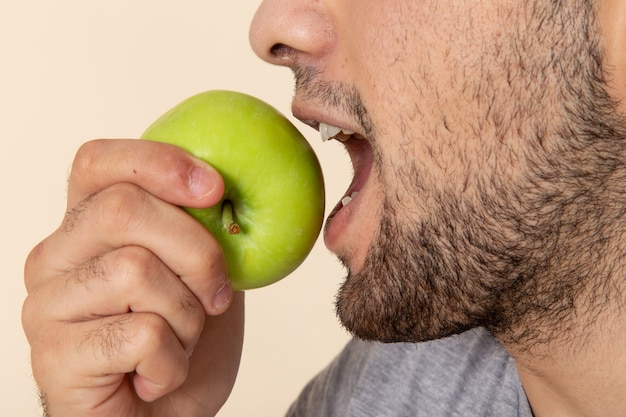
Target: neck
582 373
568 340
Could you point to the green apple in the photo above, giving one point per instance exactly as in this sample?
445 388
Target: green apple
273 205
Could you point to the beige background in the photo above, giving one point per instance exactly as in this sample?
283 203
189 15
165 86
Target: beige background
75 70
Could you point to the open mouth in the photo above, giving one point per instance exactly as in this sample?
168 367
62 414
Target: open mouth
361 156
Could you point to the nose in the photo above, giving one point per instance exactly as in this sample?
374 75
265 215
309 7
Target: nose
284 32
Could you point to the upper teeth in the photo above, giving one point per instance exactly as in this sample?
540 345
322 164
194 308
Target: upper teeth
333 132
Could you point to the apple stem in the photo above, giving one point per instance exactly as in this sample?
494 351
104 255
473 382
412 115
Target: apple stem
227 218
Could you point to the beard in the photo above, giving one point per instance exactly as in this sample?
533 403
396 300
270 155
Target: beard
520 253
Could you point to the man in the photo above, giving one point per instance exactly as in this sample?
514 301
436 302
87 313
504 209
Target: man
486 217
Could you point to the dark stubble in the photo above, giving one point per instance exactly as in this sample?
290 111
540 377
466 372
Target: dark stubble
517 257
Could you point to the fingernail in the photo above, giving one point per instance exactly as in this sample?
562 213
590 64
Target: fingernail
223 296
201 182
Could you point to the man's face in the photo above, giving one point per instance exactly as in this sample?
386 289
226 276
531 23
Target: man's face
471 152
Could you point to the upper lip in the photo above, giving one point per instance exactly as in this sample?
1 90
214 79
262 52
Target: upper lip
313 118
358 146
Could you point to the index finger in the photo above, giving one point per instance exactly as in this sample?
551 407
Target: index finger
164 170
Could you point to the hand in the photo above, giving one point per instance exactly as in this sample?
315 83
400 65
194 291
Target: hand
129 310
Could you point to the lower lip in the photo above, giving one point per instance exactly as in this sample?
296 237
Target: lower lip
341 217
338 222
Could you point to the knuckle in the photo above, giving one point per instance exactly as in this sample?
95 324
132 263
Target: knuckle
155 337
30 317
168 381
152 331
136 266
139 271
32 265
85 158
121 206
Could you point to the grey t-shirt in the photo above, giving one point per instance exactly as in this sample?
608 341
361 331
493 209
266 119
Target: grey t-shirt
469 375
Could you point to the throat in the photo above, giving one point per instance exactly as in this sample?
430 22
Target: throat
580 373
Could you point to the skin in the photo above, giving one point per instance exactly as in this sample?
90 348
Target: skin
493 141
496 190
127 315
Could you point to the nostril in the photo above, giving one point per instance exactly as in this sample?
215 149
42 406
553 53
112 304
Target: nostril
284 30
281 51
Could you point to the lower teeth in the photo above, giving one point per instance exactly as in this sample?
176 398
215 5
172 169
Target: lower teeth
347 199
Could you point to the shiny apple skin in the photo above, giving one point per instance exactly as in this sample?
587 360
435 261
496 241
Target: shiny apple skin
271 175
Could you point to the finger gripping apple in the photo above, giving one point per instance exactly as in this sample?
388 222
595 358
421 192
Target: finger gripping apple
273 205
